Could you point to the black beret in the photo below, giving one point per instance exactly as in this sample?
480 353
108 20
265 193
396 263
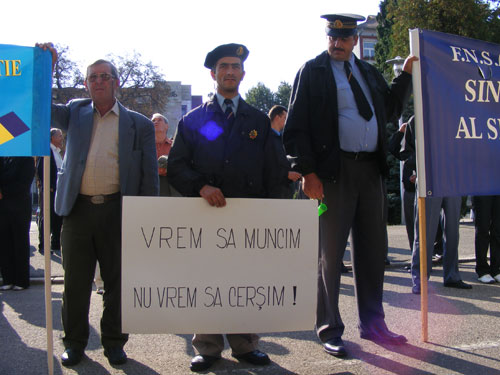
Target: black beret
226 50
342 25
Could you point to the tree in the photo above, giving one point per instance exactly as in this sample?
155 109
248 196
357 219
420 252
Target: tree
260 97
263 98
142 86
470 18
282 96
66 72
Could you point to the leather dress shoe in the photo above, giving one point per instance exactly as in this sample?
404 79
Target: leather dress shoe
383 335
457 284
115 355
71 357
202 362
255 357
335 347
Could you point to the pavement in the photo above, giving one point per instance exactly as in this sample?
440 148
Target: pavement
464 329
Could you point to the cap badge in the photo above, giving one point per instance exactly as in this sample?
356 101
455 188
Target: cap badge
338 24
239 51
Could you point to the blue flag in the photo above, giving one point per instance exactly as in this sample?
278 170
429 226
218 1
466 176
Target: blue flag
460 114
25 97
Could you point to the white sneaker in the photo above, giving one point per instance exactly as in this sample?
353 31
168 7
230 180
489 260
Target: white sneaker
497 278
18 288
487 279
6 287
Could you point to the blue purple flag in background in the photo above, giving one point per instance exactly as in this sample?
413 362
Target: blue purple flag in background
459 112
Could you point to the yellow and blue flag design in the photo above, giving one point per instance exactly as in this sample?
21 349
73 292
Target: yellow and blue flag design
25 96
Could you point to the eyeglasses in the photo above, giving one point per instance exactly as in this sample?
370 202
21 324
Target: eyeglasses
102 76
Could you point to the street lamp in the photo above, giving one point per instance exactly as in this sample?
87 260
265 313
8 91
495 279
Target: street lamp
397 67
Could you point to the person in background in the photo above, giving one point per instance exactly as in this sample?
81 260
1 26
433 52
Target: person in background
56 144
277 115
487 223
110 153
16 177
163 146
335 130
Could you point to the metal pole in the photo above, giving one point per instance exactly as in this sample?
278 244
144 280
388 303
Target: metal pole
47 254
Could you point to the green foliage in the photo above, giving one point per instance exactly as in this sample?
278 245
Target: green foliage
263 98
469 18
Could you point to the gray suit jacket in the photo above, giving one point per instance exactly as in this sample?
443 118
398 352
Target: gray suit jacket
136 152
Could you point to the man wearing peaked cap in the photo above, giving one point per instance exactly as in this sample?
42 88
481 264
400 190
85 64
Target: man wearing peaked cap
342 25
223 149
339 145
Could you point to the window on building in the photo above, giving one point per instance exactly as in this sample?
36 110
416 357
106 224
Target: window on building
369 49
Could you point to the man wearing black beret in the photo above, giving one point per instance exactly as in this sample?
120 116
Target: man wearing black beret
335 129
223 149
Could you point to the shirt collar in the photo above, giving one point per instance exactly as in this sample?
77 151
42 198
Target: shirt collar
54 148
115 108
235 100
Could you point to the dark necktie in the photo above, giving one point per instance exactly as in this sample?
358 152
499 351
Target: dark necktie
363 106
229 114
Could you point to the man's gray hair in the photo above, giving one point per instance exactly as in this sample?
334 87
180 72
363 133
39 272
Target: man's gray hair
114 71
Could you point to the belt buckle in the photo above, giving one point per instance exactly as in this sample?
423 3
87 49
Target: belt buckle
97 199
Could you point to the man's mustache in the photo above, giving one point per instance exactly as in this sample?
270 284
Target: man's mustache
338 49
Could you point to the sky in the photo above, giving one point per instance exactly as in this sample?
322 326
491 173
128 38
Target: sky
176 35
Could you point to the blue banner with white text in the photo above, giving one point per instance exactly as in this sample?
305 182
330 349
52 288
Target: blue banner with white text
25 97
461 114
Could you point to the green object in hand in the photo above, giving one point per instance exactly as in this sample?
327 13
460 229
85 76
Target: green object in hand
322 209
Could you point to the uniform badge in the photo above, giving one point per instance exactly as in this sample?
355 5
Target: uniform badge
338 24
253 134
239 51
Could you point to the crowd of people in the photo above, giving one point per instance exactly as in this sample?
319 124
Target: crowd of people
330 142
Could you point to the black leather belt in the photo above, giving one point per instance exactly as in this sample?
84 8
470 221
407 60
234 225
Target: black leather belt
99 199
360 156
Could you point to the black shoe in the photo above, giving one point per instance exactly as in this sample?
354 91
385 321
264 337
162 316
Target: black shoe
387 261
71 357
115 355
202 362
255 357
335 347
383 335
457 284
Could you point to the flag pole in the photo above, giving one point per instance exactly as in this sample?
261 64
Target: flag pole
423 268
47 255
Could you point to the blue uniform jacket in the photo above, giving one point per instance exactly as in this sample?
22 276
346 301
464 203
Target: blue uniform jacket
242 162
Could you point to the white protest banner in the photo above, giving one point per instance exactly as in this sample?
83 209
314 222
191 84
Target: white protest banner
248 267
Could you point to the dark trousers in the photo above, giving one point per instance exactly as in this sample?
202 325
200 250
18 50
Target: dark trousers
55 223
409 212
15 220
451 215
355 202
92 232
487 222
